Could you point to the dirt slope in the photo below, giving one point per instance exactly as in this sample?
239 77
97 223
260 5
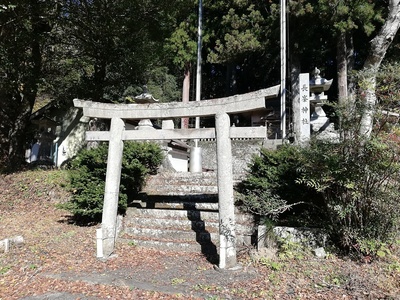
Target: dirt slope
57 261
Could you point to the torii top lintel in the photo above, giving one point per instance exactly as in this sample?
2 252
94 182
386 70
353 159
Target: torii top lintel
234 104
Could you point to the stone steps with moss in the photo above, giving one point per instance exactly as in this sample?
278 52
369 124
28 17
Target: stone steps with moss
180 211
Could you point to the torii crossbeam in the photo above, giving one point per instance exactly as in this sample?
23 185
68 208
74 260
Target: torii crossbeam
222 132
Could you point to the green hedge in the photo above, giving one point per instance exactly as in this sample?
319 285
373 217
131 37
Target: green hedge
88 173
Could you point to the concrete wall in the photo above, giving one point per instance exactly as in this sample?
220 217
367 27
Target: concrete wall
71 134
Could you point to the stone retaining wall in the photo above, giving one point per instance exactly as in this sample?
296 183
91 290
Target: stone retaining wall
242 152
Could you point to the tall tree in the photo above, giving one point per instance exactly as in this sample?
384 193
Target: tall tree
119 40
245 40
181 47
24 35
378 47
345 19
65 48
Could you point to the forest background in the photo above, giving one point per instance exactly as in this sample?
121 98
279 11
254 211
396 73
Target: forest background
107 50
103 50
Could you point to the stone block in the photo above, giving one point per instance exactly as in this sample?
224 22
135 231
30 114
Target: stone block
310 237
8 243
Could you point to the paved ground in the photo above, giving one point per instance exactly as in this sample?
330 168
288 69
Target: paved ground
182 274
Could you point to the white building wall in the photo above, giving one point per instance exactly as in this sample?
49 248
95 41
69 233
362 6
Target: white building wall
71 135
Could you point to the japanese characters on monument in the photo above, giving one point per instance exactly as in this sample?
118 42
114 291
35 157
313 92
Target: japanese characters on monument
304 112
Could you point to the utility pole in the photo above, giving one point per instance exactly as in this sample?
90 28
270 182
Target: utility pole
283 68
195 162
199 45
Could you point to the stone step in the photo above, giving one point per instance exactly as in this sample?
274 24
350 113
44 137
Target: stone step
183 178
192 215
179 237
180 189
181 224
182 230
179 211
183 183
193 202
178 205
193 198
198 225
186 176
162 245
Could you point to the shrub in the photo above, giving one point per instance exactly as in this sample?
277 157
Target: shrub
352 185
270 188
349 188
88 173
359 183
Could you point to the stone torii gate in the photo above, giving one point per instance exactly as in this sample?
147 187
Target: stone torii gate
223 132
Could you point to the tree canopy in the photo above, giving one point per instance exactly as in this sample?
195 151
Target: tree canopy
106 50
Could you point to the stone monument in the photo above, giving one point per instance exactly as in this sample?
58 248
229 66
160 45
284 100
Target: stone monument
308 115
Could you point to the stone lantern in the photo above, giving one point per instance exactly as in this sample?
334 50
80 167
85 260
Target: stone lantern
145 98
318 85
308 114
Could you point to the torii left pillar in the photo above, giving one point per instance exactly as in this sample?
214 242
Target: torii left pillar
106 236
226 206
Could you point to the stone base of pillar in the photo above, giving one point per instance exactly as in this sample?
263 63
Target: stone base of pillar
99 243
107 241
227 258
238 267
195 163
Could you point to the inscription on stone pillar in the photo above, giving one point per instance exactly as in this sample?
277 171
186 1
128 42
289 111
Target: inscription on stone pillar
304 109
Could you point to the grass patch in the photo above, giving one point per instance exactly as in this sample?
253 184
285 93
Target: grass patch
4 269
176 281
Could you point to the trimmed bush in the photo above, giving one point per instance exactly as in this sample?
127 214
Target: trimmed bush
88 174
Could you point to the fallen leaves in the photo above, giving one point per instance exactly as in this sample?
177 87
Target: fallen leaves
60 257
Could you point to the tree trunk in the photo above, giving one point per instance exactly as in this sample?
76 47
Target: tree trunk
99 80
231 83
345 63
17 140
186 93
294 128
379 46
350 68
341 58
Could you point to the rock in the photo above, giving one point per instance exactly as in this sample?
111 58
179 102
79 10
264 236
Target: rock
7 243
309 237
268 253
320 252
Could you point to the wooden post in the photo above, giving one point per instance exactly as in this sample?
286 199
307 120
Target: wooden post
111 193
227 236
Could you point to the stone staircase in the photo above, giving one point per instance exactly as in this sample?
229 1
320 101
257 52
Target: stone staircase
179 211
